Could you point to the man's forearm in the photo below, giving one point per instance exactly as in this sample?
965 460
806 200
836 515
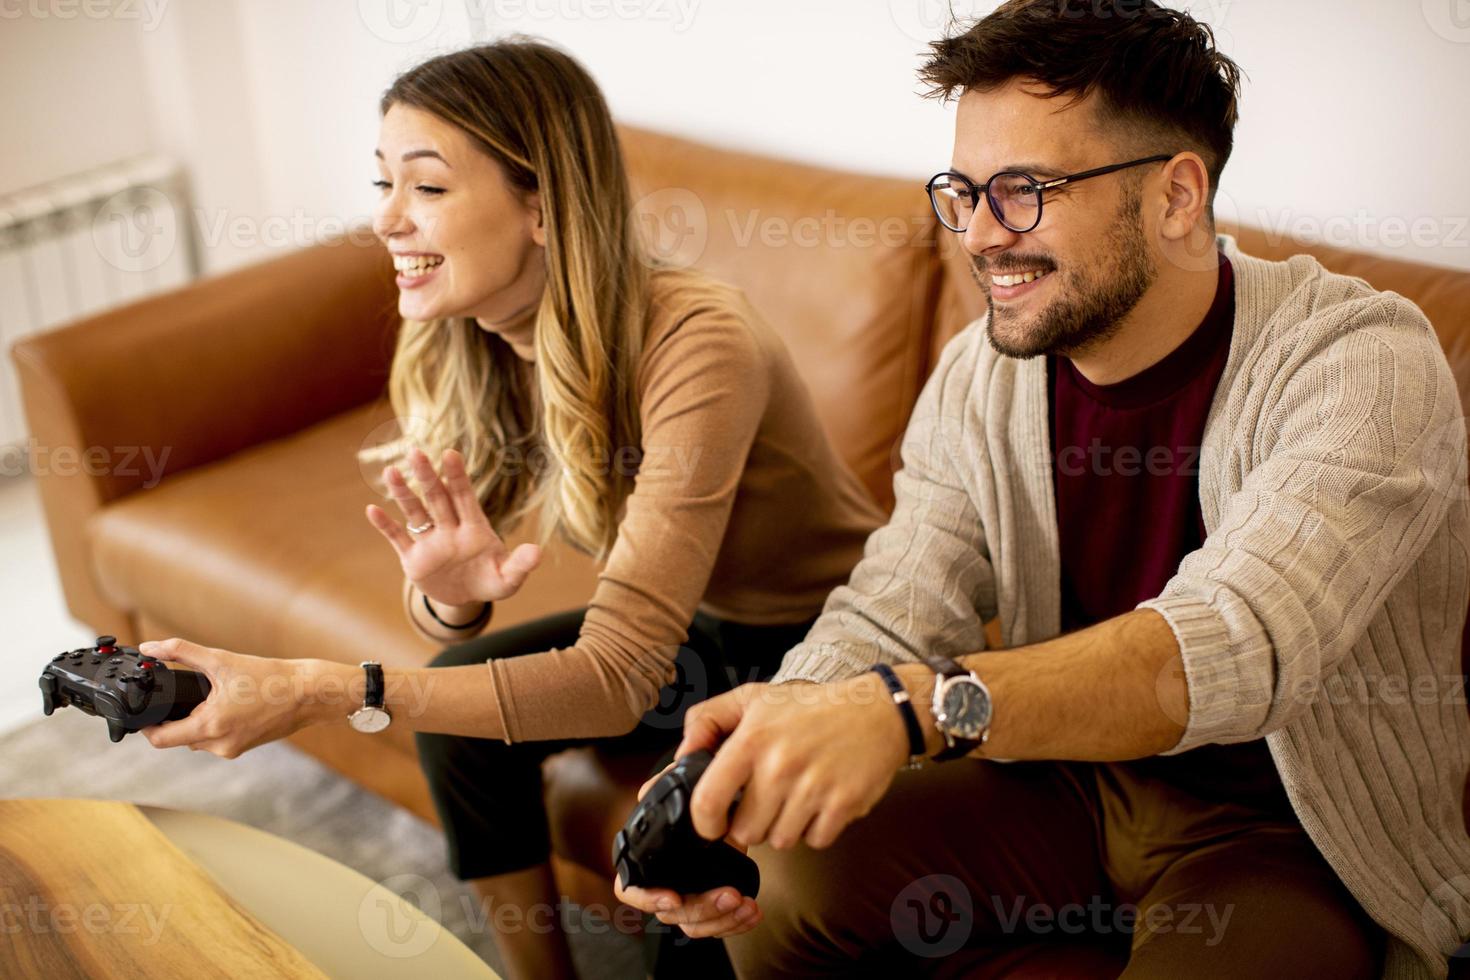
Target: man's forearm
1111 692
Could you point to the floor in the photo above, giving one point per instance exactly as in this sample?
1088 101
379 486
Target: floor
37 624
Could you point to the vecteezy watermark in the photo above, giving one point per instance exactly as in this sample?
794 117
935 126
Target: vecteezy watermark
490 15
933 916
392 924
930 20
39 917
1364 229
408 693
400 21
1018 914
37 459
136 230
676 228
298 229
1101 460
540 918
402 928
388 444
1209 11
690 684
1450 19
149 12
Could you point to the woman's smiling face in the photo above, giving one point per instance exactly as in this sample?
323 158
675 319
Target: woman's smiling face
464 241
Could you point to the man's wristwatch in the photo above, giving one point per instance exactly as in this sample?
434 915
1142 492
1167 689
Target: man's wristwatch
961 707
372 716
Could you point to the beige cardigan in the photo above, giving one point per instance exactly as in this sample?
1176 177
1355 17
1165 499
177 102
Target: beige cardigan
1333 486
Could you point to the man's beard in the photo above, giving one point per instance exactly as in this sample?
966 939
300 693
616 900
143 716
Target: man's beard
1086 312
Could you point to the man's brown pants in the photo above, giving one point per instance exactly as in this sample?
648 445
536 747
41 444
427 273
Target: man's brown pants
979 868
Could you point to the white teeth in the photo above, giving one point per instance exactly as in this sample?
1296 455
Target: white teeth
416 265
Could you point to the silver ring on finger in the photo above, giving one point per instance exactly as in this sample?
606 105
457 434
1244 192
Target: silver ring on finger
421 528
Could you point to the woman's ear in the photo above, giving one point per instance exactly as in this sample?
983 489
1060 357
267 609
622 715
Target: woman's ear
538 223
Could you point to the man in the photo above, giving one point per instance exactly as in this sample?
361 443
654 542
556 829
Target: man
1219 507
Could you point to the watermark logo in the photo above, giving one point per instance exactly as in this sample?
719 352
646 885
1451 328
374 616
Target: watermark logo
483 15
400 21
675 226
134 230
690 685
933 916
148 12
924 20
396 927
1450 19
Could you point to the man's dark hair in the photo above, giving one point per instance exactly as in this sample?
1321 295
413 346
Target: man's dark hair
1161 82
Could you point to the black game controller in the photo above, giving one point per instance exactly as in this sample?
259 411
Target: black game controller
659 847
118 683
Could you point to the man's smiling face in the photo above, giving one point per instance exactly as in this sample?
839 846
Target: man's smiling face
1089 257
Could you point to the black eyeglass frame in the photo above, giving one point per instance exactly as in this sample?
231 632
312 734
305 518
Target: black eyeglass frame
1037 186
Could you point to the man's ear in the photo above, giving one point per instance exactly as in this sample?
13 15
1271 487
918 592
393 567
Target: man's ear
538 219
1187 194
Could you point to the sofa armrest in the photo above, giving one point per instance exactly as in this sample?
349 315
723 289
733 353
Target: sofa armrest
119 400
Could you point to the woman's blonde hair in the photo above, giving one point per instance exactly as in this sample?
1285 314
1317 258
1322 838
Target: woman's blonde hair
541 117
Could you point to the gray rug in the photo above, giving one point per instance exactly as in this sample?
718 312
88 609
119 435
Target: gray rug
288 793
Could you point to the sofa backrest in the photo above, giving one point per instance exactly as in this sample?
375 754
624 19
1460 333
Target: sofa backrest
841 265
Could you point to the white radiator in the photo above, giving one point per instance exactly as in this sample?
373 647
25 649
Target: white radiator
82 244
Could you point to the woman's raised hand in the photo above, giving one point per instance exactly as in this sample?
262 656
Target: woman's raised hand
453 555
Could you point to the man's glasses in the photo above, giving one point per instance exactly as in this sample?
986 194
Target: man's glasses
1014 197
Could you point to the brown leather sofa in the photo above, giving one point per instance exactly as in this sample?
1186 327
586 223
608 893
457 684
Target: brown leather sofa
262 385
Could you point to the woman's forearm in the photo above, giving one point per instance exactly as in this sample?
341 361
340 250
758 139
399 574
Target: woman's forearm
448 700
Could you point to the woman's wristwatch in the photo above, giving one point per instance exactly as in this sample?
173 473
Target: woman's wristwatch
961 705
372 716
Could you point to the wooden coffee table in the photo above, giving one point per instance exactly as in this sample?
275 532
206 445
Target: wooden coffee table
97 889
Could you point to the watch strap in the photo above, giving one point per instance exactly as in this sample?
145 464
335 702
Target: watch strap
957 748
942 665
905 704
373 697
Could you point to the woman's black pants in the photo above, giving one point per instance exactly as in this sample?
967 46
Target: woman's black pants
488 793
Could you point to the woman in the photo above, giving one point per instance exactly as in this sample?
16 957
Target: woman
676 443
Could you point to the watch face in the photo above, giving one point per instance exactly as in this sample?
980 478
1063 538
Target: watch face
966 708
369 719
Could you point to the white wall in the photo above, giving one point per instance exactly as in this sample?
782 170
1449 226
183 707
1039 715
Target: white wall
1352 126
72 95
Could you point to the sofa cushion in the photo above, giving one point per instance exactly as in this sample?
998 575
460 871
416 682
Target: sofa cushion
269 552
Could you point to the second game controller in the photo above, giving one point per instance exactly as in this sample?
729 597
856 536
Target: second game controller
659 847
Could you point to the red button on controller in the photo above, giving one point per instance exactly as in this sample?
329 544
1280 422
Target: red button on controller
148 664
